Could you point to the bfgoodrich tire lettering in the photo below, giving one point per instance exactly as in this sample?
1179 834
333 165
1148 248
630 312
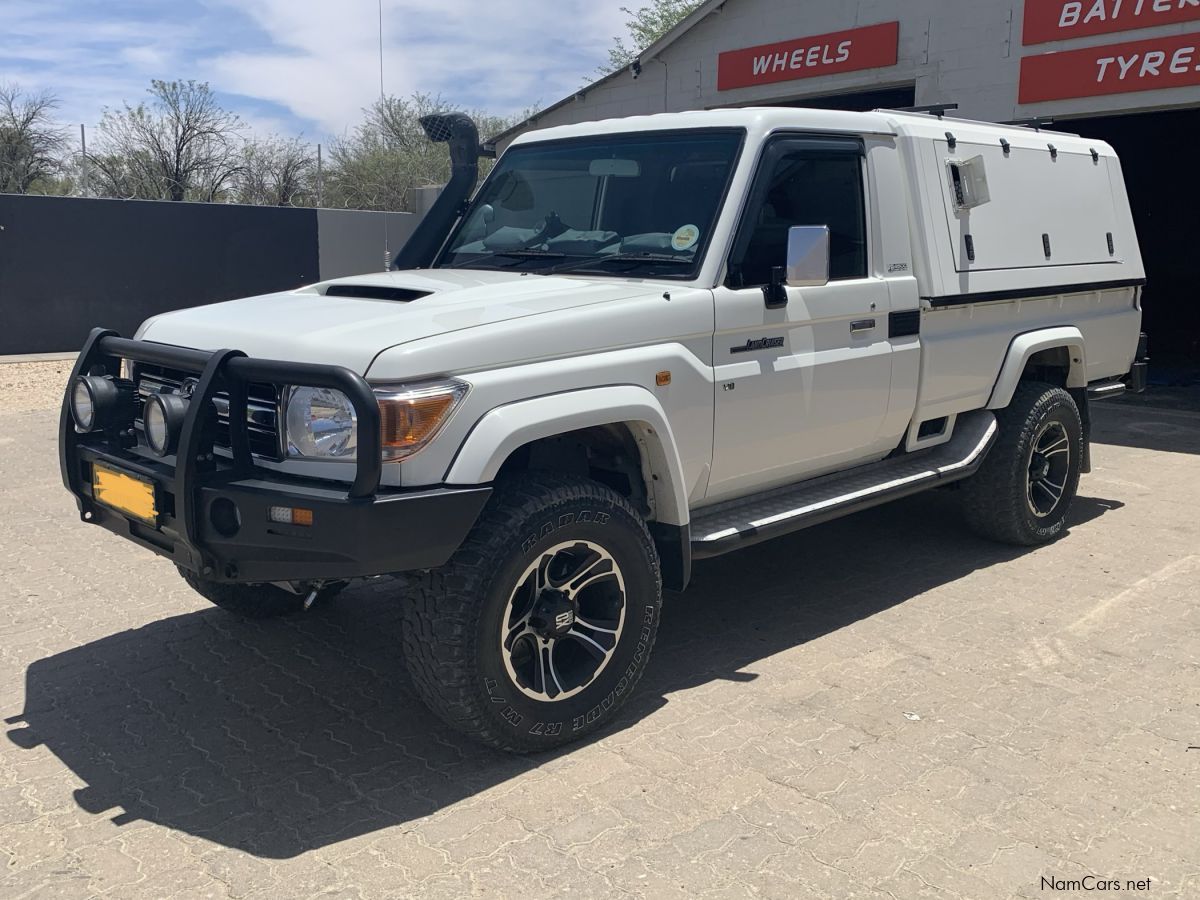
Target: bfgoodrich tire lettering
1023 492
555 562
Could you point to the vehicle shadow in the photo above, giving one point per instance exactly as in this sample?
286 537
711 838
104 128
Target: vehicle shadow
283 737
1129 423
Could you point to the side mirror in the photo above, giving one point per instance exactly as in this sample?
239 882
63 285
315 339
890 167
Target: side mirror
808 256
775 291
807 264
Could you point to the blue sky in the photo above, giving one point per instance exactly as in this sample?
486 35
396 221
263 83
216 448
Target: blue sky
305 67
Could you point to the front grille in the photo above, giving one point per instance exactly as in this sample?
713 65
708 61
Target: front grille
262 408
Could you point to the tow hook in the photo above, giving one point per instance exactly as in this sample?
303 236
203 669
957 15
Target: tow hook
312 595
308 590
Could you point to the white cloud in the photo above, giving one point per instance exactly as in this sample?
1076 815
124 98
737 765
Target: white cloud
502 57
146 56
89 62
306 66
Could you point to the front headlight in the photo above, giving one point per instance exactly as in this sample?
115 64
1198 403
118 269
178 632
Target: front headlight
412 415
321 424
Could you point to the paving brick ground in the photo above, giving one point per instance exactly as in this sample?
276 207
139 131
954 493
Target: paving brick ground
884 706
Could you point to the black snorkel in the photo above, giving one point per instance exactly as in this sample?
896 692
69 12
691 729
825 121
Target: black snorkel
460 133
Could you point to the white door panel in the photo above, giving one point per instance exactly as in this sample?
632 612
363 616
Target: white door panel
805 389
814 403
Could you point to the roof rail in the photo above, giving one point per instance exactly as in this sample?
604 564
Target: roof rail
939 110
1037 123
933 109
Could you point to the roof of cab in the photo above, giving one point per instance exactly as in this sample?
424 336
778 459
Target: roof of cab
761 121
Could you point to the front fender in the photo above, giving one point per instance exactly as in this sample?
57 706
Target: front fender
1022 349
507 428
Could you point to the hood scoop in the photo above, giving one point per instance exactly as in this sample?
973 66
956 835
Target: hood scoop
375 292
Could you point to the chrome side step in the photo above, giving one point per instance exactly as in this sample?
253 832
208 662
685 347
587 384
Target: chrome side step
749 520
1109 390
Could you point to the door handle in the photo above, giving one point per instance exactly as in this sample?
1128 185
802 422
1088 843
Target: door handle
861 326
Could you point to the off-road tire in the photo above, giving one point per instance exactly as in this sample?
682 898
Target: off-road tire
455 615
996 499
254 601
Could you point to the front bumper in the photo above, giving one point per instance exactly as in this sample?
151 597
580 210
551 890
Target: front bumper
354 533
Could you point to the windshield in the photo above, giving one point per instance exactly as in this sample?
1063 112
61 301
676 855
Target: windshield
638 205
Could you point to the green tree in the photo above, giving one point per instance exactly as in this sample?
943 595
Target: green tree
646 25
32 145
378 164
181 146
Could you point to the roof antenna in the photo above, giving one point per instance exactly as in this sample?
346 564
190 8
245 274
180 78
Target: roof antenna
380 49
387 253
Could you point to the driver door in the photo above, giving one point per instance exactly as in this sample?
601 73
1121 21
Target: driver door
800 390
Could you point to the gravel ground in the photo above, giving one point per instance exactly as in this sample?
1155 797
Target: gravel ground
28 386
884 706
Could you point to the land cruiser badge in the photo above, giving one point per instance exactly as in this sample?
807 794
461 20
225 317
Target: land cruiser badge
771 343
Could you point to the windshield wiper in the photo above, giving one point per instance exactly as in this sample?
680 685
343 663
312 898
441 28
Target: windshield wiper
527 253
518 254
633 259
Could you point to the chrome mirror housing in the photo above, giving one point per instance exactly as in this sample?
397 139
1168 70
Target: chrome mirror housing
808 256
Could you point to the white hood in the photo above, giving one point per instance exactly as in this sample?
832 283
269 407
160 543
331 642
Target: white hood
306 326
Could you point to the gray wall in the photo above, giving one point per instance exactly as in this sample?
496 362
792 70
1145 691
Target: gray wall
354 242
68 264
966 52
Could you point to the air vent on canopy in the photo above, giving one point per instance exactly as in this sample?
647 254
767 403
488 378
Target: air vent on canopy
375 292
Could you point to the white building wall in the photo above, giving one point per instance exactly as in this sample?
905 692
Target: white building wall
966 52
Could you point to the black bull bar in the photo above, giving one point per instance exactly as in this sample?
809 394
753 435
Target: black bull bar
229 371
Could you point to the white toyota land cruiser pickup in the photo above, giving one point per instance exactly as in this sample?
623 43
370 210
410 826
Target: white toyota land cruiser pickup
642 342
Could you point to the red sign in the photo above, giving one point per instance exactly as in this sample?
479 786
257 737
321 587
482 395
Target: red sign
1061 20
874 47
1167 62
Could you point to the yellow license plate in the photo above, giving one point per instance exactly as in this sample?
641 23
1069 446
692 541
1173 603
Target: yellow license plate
127 493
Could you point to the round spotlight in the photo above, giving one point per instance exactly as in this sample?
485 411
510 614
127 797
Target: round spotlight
163 419
100 401
83 407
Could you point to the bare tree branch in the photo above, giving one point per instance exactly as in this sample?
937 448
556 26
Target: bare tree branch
276 172
32 145
180 144
183 146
